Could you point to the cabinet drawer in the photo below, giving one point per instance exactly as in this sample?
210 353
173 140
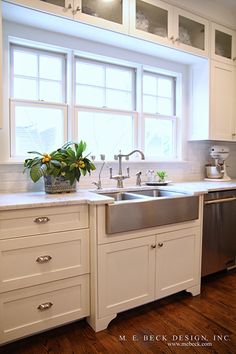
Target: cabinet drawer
35 221
32 260
38 308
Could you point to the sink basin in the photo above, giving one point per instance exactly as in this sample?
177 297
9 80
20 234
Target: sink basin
157 193
148 208
120 196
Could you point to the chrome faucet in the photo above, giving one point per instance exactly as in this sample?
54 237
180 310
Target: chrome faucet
120 177
98 184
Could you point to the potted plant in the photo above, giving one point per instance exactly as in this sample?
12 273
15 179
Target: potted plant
60 168
162 176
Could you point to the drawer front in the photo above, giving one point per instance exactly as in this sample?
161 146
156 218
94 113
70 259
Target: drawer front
37 221
33 260
38 308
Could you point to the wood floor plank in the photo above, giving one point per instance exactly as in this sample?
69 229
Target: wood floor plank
160 327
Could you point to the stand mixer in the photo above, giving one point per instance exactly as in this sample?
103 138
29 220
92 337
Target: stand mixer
217 171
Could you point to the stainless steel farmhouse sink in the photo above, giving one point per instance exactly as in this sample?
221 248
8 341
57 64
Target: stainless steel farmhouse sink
148 208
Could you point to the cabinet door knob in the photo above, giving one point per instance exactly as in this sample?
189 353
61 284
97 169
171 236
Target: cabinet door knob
41 220
43 259
172 38
153 246
233 134
177 39
160 244
234 58
45 306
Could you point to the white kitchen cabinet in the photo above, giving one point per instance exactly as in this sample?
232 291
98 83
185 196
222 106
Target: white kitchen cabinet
112 15
222 101
137 271
223 44
177 261
44 268
160 22
1 81
126 274
213 107
59 7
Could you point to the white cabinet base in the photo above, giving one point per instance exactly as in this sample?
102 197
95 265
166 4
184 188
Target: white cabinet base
194 290
99 324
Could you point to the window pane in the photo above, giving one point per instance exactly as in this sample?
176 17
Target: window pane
149 104
158 137
106 133
119 78
165 106
25 89
37 128
90 96
50 91
165 87
90 74
119 99
50 67
150 84
25 63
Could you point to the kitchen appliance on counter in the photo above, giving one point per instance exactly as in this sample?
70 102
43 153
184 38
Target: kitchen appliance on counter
219 225
217 170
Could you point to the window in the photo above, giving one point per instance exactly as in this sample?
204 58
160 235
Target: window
103 99
108 91
159 115
38 92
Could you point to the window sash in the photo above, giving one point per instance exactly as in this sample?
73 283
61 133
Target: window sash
23 103
105 87
37 78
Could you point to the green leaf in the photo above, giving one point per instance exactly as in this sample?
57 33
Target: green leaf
36 173
34 152
56 163
81 148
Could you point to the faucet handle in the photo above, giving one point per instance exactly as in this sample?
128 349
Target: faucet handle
138 173
128 172
127 158
115 157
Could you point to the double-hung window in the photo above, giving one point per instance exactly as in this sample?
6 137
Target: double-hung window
159 115
105 106
38 100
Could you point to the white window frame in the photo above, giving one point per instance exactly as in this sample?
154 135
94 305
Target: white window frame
175 118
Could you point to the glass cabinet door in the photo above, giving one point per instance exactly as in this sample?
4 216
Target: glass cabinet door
192 31
150 19
111 10
223 43
60 7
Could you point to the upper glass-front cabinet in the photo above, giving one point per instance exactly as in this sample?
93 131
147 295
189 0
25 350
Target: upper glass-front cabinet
111 14
163 23
223 44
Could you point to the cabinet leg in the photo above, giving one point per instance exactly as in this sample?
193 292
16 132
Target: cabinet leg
194 290
99 324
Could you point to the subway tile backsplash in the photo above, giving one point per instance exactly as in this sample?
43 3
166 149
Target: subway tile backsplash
12 178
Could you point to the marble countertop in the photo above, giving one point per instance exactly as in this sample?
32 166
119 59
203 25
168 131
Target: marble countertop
11 201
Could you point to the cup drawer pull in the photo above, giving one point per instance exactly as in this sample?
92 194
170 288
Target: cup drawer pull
41 220
45 306
43 259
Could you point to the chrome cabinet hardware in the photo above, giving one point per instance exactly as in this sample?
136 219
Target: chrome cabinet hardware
43 259
160 244
41 220
153 246
222 200
76 10
45 306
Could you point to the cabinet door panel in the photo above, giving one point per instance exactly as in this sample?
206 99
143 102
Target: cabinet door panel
177 261
223 44
222 101
126 272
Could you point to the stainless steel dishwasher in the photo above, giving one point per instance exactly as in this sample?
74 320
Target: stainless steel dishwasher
219 231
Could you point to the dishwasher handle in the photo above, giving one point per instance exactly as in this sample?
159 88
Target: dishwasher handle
219 201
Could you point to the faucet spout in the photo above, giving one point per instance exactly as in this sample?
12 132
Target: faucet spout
139 151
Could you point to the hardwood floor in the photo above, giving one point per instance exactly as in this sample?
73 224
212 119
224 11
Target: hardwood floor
177 324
